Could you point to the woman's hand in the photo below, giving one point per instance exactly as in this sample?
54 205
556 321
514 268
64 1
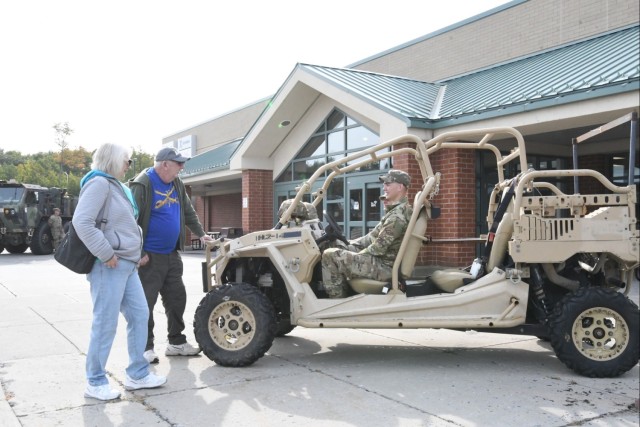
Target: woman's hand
112 263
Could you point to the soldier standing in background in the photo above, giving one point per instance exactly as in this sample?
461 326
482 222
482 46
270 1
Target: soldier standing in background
371 256
55 223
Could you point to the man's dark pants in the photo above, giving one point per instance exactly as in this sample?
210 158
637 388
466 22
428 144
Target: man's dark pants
162 275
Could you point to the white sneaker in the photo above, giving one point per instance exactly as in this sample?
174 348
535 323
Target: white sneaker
185 349
150 381
151 356
101 392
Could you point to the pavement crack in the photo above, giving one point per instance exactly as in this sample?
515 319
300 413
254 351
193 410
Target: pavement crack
8 290
367 389
57 330
631 409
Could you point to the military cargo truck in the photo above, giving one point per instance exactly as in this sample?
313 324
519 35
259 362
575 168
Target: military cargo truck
24 211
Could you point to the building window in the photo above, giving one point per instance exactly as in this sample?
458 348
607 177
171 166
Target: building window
619 169
337 136
353 199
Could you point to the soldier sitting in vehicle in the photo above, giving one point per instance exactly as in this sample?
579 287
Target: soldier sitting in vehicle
371 256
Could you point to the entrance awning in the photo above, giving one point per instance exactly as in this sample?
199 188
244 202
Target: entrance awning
211 161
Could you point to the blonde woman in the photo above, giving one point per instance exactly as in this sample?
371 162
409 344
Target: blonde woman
115 285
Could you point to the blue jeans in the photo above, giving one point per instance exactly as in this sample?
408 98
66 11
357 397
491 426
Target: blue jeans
116 290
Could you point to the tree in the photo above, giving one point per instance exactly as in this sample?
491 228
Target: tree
41 169
141 161
62 132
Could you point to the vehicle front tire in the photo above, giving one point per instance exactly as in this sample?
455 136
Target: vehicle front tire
595 331
235 324
42 242
17 249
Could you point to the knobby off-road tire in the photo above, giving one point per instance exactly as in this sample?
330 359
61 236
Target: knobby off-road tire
42 242
235 324
595 332
17 249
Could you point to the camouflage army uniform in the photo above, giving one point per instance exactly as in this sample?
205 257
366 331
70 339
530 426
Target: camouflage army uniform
57 233
371 256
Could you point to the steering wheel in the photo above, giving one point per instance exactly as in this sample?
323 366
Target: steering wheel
333 230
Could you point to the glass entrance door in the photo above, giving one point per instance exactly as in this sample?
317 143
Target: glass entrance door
355 204
352 201
365 207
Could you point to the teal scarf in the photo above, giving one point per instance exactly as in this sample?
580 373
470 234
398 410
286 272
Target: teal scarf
93 173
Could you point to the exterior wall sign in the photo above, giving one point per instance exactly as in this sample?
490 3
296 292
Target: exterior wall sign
186 145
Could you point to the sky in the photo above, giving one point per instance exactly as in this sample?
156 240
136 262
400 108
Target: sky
135 71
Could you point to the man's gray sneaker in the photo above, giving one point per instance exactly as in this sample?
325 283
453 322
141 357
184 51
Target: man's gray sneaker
185 349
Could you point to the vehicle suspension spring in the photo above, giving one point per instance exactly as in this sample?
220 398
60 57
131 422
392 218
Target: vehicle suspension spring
538 289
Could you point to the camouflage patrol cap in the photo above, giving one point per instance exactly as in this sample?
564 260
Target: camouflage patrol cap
395 175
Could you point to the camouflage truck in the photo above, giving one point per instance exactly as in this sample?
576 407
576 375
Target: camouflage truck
554 264
24 211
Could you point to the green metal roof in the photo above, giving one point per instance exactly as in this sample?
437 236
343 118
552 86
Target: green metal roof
602 62
212 160
403 96
602 65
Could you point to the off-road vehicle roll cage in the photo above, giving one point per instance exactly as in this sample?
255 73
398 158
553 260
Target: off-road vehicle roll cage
554 265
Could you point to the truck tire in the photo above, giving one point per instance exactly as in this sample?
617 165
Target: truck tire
17 249
595 331
1 248
235 324
42 242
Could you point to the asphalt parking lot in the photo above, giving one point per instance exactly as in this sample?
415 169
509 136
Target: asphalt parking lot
327 377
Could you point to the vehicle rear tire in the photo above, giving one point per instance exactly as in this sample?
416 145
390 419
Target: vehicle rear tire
1 248
42 242
235 324
17 249
595 331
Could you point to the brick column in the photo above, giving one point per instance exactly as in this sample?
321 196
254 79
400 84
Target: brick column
257 191
457 200
409 164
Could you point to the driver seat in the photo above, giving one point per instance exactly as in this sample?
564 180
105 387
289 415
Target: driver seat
364 285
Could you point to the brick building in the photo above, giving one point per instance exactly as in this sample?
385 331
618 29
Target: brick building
553 69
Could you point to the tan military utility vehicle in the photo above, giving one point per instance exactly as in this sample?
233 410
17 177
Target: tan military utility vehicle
554 265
